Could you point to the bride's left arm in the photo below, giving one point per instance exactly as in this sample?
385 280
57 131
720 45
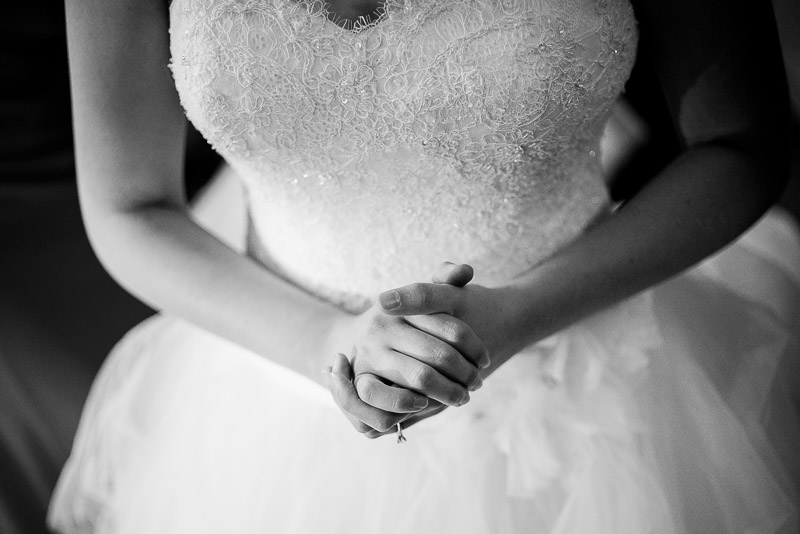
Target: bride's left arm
720 70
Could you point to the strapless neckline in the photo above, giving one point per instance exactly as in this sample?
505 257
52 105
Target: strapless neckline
464 130
362 25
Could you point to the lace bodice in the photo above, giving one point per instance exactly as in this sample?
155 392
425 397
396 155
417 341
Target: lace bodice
460 130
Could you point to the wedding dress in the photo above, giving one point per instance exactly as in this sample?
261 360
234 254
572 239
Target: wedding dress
465 131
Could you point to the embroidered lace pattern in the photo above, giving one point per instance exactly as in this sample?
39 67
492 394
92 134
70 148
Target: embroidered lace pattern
460 130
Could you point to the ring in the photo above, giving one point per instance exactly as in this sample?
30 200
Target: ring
400 437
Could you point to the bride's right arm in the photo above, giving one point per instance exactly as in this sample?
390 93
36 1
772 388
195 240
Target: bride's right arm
129 135
129 132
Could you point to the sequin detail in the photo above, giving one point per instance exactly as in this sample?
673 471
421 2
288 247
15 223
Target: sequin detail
458 130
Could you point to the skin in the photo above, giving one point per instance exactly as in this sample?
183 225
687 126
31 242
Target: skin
353 10
134 206
368 400
728 100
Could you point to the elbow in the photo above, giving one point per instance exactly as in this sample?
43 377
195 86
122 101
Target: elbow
762 144
769 156
108 234
753 121
122 239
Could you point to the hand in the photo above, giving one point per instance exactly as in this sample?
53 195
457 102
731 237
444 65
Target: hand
369 395
365 418
489 312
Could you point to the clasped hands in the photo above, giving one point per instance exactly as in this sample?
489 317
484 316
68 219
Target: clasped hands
416 352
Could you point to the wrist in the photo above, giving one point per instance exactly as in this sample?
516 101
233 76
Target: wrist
526 310
338 332
317 343
551 297
496 316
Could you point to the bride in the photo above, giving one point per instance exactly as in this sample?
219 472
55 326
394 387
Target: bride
571 372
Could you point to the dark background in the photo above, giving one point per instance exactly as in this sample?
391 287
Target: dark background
60 313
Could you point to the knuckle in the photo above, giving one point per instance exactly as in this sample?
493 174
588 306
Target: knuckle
422 378
442 355
475 377
456 396
399 404
361 427
456 333
384 423
425 296
402 403
450 331
418 294
365 389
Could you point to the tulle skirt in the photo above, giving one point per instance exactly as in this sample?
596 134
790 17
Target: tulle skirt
671 412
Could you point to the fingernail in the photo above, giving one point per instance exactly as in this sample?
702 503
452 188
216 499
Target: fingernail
476 384
486 361
389 300
420 403
464 399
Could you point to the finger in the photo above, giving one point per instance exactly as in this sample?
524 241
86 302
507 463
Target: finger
383 396
441 356
362 428
430 411
346 397
412 419
455 333
455 275
410 373
393 432
327 376
336 391
420 299
342 366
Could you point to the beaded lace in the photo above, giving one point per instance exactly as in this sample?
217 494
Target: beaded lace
457 130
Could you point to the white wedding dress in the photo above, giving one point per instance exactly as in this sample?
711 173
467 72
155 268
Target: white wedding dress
459 130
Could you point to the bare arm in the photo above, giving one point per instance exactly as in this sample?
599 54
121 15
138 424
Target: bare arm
720 69
129 138
129 142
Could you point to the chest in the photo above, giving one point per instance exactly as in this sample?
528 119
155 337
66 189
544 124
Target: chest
449 76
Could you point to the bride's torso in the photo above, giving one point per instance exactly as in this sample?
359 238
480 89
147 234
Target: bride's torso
460 130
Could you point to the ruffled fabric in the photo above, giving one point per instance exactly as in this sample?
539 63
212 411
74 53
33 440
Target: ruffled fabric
664 414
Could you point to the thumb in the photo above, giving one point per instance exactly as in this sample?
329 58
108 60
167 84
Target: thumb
452 274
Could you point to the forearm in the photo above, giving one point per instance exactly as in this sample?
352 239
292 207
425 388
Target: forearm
164 258
129 137
700 203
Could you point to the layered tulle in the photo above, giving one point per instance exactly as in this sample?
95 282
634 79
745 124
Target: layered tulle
668 413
